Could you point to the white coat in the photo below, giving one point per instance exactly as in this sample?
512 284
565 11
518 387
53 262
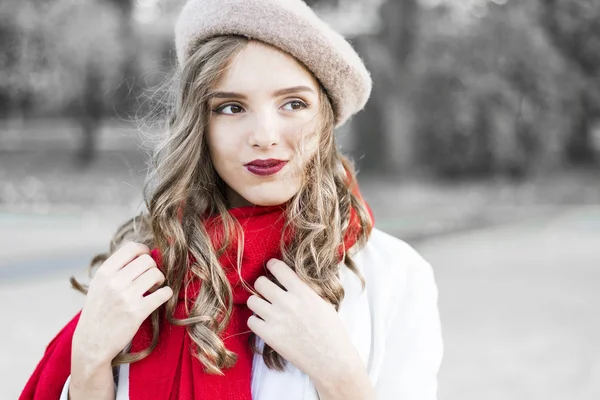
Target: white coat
394 324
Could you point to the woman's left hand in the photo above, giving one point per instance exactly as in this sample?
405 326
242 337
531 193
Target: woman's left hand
302 327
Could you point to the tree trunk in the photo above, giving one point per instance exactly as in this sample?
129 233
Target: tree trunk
387 56
571 29
91 112
579 148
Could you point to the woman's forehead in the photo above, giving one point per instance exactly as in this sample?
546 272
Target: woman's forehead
264 68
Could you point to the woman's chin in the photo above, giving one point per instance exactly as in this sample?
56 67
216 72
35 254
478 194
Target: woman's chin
269 201
268 198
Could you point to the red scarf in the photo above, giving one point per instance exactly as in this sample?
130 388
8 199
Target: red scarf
171 371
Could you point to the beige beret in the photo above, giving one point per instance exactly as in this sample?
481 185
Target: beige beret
291 26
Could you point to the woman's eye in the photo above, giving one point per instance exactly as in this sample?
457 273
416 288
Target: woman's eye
295 105
229 109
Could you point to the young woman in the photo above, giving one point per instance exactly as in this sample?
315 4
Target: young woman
256 271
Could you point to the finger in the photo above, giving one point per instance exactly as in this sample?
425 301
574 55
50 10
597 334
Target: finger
257 326
150 278
139 266
155 300
268 289
284 274
124 256
260 307
136 268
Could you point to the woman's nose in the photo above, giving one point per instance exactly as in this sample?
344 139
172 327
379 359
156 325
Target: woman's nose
264 133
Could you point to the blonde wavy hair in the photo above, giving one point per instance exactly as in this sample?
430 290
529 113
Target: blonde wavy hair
182 174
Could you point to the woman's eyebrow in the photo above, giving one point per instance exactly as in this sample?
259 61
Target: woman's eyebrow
295 89
226 95
280 92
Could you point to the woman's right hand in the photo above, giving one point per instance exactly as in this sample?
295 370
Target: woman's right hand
115 305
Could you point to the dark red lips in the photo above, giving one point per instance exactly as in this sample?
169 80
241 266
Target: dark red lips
265 167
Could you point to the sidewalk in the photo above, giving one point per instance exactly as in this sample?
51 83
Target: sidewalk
36 310
30 236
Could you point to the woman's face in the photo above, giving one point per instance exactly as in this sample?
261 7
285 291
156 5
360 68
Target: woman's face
262 126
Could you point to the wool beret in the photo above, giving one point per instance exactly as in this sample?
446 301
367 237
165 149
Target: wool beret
291 26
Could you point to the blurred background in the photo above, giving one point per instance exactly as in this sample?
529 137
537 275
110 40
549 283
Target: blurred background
480 146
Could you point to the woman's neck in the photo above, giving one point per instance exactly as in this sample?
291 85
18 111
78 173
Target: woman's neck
234 200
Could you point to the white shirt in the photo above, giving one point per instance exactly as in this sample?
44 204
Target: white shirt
394 324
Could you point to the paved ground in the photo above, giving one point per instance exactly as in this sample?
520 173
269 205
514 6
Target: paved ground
519 305
520 308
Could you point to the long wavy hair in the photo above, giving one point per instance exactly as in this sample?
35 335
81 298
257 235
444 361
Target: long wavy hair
182 186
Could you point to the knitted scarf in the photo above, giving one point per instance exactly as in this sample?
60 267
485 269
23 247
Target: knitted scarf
171 371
